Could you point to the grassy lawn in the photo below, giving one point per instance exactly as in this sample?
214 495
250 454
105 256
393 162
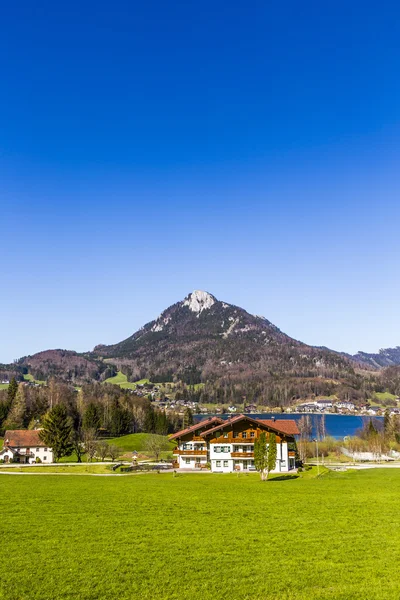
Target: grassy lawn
201 536
29 377
59 468
133 441
3 386
122 380
385 396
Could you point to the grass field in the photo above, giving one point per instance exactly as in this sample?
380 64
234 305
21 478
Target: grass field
60 468
122 380
133 441
29 377
382 396
200 536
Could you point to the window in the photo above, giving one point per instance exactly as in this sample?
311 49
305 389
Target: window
187 461
226 449
45 449
217 463
37 449
217 448
44 457
226 463
244 434
251 433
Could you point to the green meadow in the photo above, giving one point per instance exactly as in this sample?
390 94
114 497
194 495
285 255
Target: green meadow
122 380
135 441
200 536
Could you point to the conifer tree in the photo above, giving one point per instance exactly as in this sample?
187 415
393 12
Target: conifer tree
272 451
161 423
261 455
18 411
149 424
12 390
386 422
91 418
57 431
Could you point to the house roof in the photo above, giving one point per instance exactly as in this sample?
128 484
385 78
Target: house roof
7 449
23 438
199 425
286 426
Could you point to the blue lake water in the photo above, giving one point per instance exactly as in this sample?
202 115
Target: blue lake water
337 426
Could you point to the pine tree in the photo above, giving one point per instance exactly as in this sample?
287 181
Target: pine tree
91 418
18 411
272 452
57 431
261 455
187 420
161 423
387 422
12 390
371 429
149 424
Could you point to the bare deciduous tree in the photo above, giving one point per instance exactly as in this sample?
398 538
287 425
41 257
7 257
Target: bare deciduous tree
102 449
113 451
90 443
155 444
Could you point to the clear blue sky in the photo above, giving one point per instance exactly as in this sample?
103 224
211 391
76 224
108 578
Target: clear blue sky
151 148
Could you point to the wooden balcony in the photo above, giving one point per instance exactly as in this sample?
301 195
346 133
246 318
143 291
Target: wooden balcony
234 440
242 454
197 438
190 452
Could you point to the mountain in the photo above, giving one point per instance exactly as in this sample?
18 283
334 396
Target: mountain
202 338
64 364
387 357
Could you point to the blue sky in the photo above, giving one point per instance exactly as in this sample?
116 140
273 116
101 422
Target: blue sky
248 149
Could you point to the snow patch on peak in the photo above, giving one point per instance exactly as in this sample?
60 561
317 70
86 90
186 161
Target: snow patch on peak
198 301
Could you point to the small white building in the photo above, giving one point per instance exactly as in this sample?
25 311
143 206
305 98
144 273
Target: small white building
25 446
323 404
345 405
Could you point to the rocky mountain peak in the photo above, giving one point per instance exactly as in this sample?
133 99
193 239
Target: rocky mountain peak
198 301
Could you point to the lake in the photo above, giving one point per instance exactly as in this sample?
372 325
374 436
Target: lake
337 426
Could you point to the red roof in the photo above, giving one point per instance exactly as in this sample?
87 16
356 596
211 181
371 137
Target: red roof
199 425
23 438
288 427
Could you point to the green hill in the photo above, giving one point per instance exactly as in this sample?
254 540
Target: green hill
133 441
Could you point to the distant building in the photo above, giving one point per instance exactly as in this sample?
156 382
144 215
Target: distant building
307 407
25 446
323 404
345 405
